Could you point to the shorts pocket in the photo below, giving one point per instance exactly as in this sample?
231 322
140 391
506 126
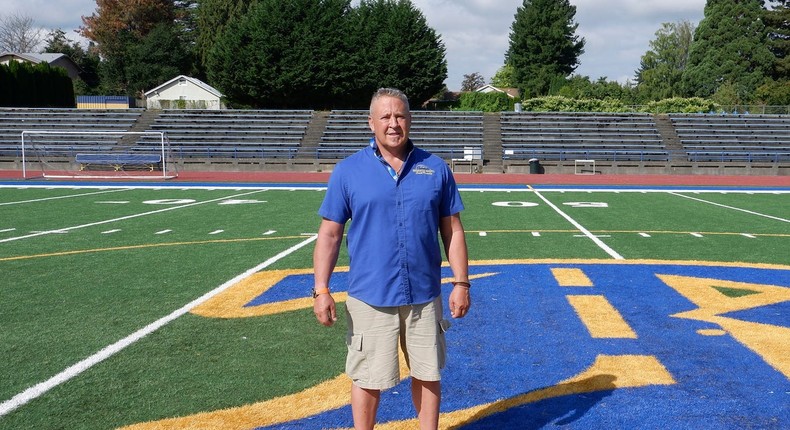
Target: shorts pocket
354 342
444 325
357 367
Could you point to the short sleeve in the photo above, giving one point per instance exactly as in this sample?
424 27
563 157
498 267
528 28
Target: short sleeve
451 198
336 206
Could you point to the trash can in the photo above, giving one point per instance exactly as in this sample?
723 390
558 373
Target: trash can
535 167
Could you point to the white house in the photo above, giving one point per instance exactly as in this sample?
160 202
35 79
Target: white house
184 92
53 59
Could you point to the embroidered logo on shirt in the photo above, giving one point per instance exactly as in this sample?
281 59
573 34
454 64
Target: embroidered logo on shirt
422 169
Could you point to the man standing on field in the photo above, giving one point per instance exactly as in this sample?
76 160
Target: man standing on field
401 199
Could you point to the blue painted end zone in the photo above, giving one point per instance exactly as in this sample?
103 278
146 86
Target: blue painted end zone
523 338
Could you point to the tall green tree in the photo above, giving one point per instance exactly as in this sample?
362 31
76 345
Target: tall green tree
777 20
158 57
394 46
325 54
211 19
283 54
661 69
187 29
730 47
543 45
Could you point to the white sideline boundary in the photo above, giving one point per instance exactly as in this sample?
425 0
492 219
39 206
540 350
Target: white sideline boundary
43 387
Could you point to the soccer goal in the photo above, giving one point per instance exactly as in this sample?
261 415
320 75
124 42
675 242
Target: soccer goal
96 155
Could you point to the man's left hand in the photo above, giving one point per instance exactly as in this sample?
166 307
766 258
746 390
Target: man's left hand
460 301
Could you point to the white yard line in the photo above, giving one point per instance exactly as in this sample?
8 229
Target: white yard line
64 197
61 230
731 207
76 369
581 228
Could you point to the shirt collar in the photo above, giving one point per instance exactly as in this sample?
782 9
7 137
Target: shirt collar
391 171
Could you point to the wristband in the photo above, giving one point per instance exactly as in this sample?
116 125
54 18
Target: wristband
319 291
464 284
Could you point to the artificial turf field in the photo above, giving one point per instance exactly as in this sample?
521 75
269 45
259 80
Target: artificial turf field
170 306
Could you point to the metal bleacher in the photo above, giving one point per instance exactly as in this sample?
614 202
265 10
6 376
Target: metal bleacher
81 130
734 138
564 136
449 135
232 133
493 142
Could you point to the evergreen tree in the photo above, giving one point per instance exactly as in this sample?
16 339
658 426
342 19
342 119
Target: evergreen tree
158 57
211 19
187 30
661 69
282 54
393 46
777 19
543 46
730 47
324 54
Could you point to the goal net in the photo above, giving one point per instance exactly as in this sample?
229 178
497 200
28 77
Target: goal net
96 155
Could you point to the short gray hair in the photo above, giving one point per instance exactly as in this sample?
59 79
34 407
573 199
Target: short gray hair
389 92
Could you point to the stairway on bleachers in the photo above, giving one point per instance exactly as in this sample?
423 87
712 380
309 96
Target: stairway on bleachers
562 136
669 136
492 144
143 123
734 138
313 135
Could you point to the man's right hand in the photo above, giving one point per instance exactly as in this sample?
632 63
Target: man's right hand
324 309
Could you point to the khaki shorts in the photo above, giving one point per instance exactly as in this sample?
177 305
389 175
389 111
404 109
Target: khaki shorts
372 340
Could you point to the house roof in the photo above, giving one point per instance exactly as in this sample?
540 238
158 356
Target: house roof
34 57
512 92
52 58
194 81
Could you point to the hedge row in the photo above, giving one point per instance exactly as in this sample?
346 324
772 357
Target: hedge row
24 84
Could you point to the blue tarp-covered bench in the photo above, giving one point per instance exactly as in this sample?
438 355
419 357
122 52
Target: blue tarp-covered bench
119 161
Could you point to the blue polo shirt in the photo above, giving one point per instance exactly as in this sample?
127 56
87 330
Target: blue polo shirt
393 238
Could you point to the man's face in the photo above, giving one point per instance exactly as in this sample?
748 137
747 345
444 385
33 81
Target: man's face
390 121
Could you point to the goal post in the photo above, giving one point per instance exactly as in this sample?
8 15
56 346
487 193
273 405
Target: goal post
66 154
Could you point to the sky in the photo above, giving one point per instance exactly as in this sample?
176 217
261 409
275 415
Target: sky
476 32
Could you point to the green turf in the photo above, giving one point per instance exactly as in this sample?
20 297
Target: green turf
66 296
